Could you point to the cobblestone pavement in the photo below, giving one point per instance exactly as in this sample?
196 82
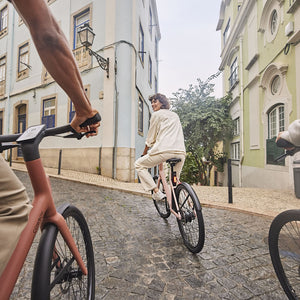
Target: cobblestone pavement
139 255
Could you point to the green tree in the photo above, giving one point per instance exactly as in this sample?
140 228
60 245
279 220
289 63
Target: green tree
205 122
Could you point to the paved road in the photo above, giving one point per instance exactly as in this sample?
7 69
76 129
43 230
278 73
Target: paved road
141 256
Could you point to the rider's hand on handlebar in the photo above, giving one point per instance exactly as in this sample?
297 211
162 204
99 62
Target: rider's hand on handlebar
79 119
281 142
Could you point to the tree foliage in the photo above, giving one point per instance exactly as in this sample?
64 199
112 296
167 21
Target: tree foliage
205 122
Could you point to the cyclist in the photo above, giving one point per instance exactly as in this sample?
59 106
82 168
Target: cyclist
58 59
165 138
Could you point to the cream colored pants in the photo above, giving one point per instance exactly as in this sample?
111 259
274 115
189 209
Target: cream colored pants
149 161
14 211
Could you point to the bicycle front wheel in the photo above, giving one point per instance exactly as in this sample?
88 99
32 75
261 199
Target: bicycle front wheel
162 206
56 273
284 247
191 225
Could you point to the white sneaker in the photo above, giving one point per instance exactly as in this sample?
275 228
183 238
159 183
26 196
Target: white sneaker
158 196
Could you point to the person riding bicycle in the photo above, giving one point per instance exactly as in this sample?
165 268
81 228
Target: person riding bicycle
57 57
166 140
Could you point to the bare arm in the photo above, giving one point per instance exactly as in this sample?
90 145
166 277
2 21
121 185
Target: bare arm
145 150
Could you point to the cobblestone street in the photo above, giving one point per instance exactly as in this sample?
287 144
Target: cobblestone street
139 255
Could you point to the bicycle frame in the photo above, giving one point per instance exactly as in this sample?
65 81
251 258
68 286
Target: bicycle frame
43 212
169 189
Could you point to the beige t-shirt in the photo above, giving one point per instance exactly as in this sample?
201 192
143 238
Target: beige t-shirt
165 133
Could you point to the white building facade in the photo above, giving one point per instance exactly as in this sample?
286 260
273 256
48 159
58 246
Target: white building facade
127 34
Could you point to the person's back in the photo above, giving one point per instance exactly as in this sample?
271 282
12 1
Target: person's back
170 135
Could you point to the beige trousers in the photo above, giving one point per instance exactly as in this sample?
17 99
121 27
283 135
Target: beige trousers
14 211
149 161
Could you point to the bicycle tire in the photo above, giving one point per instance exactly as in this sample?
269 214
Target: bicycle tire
191 225
284 248
61 277
162 207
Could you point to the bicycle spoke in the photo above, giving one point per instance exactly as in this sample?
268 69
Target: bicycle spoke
191 224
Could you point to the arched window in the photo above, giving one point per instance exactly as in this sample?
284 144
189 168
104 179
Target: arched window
275 125
276 121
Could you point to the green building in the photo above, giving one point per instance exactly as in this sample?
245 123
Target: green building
260 60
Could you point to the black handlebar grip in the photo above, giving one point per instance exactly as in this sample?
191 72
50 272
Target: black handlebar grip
282 143
96 118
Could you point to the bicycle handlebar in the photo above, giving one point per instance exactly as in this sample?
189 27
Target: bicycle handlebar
31 138
282 143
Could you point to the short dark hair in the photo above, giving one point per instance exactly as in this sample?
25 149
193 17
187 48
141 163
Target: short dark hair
162 99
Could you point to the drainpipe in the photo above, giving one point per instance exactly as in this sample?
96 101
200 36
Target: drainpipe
7 108
242 113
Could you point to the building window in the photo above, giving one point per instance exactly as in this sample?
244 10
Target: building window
2 75
1 122
276 121
156 49
275 84
141 44
150 71
3 20
150 21
233 79
276 124
141 116
235 151
236 127
49 108
23 61
274 21
78 21
226 32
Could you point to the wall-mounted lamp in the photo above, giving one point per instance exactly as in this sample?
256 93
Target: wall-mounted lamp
86 36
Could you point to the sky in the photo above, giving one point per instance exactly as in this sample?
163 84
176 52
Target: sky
190 46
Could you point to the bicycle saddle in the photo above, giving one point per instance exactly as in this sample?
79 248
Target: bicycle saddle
173 161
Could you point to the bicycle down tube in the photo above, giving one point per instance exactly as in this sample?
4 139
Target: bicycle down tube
43 212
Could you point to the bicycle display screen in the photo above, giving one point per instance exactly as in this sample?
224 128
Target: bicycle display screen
31 133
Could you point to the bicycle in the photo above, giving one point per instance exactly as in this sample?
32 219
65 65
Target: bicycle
284 241
182 201
64 264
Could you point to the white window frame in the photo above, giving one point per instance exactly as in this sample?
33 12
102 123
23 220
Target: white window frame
276 121
236 128
235 151
140 115
234 76
150 71
3 18
141 44
226 32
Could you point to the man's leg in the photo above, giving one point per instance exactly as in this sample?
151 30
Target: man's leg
55 52
148 161
14 211
142 165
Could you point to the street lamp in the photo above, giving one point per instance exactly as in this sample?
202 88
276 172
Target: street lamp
86 37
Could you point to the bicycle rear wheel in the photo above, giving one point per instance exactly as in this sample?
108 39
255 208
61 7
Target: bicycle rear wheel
162 206
191 225
284 247
56 273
